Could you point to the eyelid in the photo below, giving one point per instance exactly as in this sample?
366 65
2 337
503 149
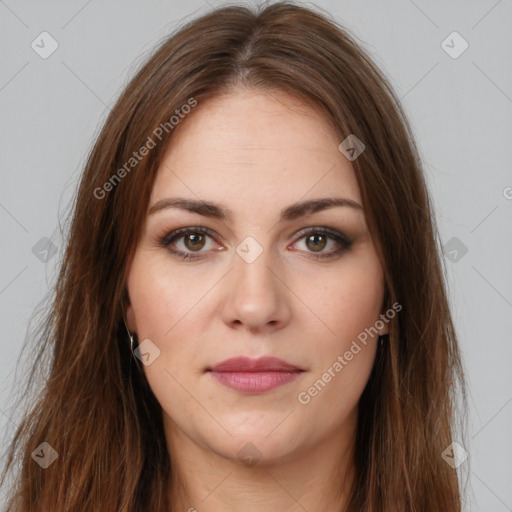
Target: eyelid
176 234
334 234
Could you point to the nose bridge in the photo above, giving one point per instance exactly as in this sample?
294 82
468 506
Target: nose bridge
257 297
252 268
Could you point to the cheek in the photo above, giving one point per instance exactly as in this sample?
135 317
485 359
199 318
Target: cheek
165 302
349 304
344 357
161 295
329 399
349 301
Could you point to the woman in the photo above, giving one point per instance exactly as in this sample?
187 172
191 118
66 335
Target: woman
251 312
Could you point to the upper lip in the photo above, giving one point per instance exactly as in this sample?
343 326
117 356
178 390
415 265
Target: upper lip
247 364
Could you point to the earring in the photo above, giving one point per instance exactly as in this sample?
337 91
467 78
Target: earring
131 345
130 336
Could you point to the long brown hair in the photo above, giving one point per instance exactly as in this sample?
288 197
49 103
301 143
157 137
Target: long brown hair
95 408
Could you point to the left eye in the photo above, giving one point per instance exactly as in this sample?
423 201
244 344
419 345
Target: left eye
315 240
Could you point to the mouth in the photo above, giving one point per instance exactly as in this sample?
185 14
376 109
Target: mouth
248 375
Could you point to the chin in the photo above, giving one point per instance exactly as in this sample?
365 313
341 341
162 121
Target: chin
261 442
255 451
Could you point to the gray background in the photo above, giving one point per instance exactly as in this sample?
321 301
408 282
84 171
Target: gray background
460 109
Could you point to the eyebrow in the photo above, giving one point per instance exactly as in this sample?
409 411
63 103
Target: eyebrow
292 212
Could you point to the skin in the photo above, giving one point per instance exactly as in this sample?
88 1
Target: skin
256 153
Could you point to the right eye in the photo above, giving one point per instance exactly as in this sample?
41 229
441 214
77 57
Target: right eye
192 239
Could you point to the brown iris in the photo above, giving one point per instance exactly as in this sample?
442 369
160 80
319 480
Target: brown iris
194 241
317 245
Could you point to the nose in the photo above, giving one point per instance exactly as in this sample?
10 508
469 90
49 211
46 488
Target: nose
257 298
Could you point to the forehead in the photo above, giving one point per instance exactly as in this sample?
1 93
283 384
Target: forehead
252 147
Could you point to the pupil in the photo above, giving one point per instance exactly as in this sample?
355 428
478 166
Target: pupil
317 245
318 241
194 240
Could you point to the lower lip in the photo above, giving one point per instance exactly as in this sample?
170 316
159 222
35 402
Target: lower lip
254 382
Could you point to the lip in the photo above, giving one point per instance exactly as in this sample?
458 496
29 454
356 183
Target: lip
246 364
254 375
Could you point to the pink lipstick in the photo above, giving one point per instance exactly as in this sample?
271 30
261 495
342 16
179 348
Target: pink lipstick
254 375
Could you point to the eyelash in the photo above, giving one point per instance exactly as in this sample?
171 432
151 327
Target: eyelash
344 242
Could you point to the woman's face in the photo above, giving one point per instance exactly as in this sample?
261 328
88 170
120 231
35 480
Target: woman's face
262 281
